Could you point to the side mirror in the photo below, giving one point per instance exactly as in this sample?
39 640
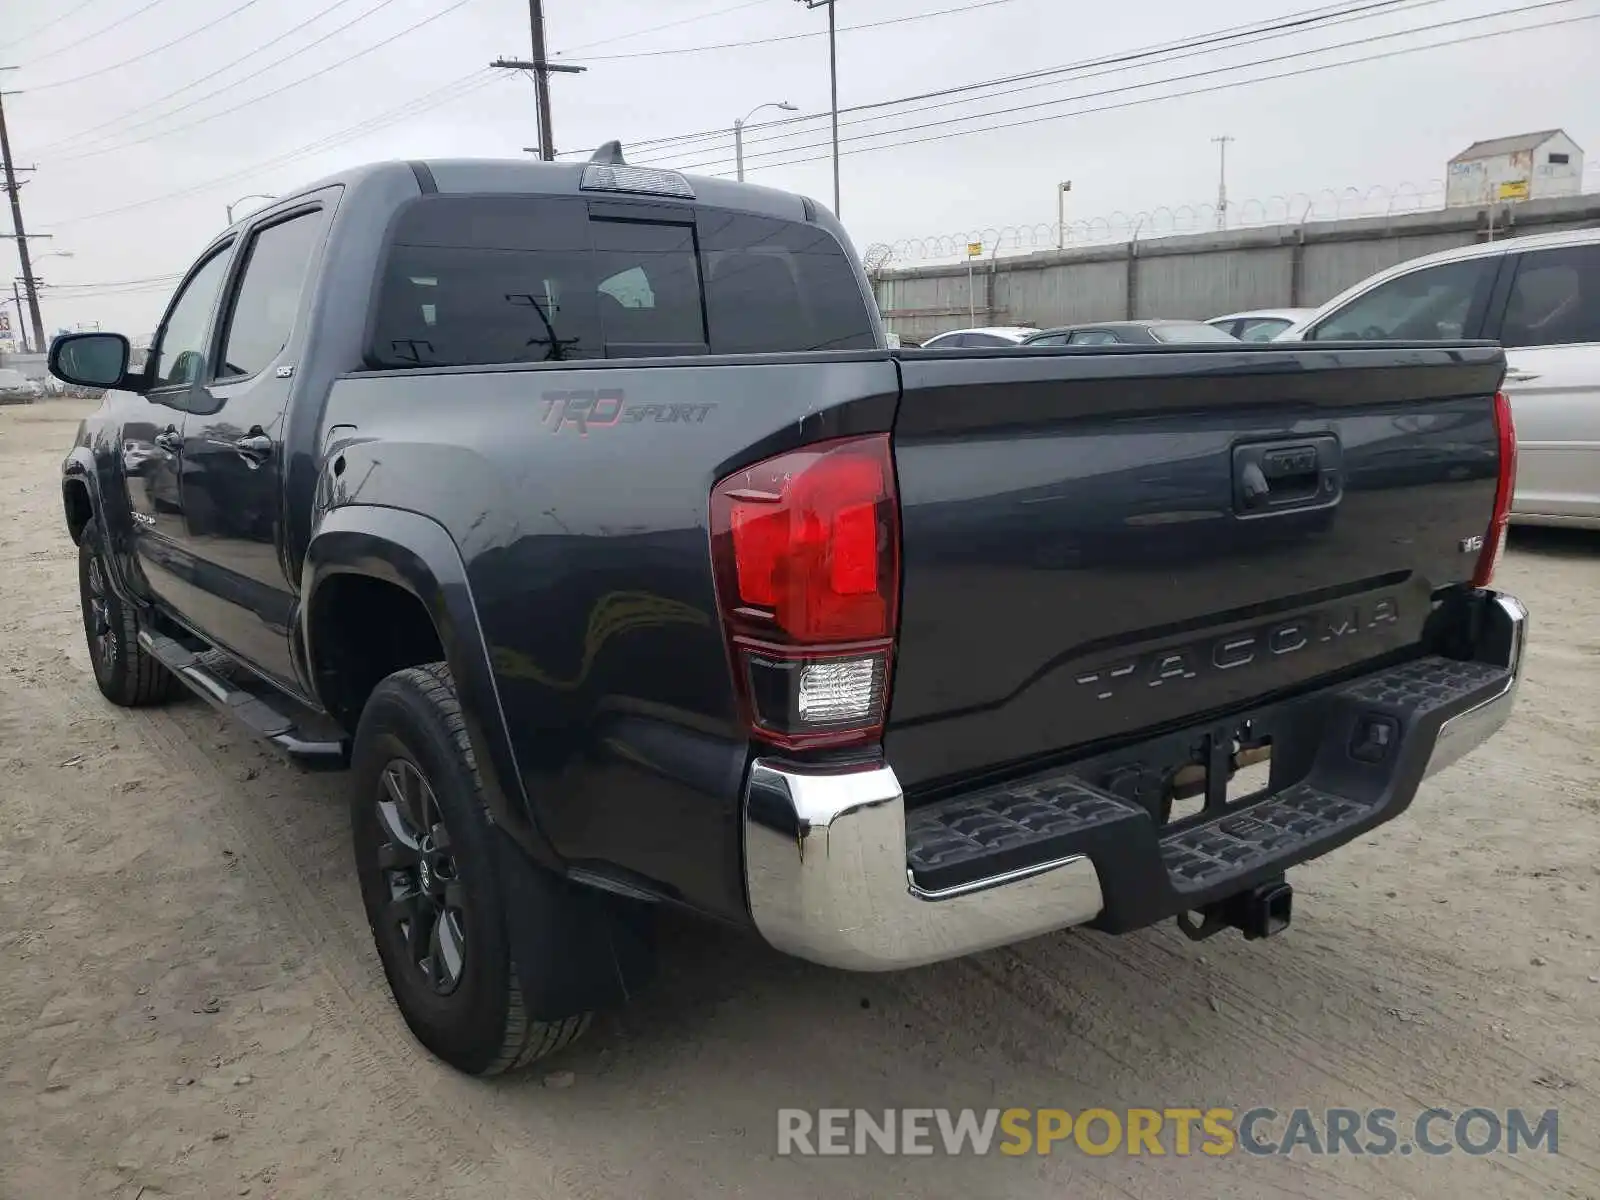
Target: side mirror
93 360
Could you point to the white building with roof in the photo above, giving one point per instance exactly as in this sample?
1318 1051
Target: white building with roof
1529 166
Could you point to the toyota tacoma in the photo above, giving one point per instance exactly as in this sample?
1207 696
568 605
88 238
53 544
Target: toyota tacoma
583 513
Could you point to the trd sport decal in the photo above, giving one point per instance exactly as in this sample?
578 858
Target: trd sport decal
606 408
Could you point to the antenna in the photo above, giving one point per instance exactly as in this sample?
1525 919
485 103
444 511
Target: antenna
610 154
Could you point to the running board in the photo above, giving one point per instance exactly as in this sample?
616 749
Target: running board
304 735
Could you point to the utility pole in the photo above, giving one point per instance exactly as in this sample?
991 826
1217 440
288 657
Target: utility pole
1222 180
1061 214
19 232
541 68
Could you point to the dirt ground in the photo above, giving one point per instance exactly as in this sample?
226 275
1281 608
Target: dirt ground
190 1004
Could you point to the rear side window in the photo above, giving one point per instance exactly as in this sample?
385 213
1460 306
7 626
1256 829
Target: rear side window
277 263
1263 329
779 286
487 279
1555 300
479 280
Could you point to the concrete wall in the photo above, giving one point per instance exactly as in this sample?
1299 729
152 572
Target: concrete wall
1201 275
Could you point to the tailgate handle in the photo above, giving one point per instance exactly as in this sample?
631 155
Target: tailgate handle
1272 477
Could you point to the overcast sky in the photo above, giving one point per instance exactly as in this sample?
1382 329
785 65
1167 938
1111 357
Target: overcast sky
125 134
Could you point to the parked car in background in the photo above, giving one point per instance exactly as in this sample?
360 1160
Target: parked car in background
1260 325
1539 296
977 339
17 388
1130 333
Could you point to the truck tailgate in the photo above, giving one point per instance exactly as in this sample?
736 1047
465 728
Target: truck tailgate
1100 543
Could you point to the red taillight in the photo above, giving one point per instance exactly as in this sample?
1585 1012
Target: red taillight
806 551
1494 541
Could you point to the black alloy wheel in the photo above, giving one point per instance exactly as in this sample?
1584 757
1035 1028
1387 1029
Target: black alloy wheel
427 911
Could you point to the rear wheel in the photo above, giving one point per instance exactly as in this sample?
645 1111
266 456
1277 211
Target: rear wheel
424 861
126 673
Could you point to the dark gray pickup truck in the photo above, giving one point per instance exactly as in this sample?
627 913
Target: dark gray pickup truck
584 514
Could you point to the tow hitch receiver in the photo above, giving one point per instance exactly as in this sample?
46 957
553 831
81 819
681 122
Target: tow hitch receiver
1260 912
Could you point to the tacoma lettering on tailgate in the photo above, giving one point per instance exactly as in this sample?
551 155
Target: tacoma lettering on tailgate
1241 648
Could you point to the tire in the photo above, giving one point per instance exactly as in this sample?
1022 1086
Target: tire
426 868
126 673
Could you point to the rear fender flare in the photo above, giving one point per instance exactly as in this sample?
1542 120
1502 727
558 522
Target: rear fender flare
417 554
80 470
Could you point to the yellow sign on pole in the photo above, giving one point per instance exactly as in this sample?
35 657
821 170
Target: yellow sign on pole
1515 189
974 249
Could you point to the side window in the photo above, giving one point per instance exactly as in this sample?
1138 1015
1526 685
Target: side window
180 352
1435 303
477 280
946 341
1091 337
648 284
1555 300
1054 339
988 341
277 262
776 286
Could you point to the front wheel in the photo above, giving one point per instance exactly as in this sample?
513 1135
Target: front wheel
126 673
423 857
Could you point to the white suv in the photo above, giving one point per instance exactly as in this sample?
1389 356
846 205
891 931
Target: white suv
1539 297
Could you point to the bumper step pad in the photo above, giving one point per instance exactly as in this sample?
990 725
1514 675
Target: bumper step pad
1349 784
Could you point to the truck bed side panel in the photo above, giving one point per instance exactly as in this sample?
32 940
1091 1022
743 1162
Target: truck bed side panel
579 497
1077 564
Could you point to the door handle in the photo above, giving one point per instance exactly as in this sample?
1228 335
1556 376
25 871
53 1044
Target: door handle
1287 475
169 439
1521 376
256 446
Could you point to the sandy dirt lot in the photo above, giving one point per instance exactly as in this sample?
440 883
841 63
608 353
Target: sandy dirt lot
190 1004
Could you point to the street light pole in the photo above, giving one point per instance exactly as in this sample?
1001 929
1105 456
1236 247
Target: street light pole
833 89
1222 179
1061 214
22 333
738 133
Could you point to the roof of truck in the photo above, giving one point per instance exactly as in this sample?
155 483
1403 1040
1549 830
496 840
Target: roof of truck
532 177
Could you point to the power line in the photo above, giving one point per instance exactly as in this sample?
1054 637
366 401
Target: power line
1291 21
100 72
77 44
622 37
117 283
51 24
229 87
203 120
1131 87
1173 51
796 37
91 130
464 86
1190 92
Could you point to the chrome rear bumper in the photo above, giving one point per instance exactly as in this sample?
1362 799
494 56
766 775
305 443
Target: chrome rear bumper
826 860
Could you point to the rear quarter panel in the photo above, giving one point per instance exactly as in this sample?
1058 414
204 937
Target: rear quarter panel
578 498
